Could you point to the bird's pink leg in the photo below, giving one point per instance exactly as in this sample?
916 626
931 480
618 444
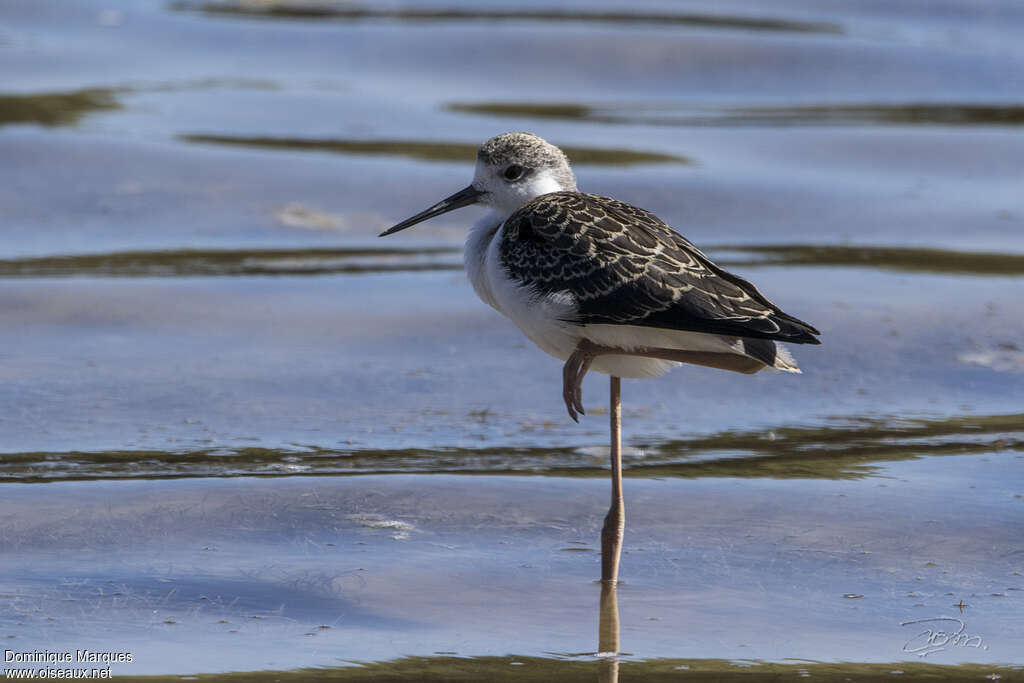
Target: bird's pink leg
615 521
575 370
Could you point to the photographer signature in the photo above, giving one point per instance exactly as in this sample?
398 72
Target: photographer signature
937 636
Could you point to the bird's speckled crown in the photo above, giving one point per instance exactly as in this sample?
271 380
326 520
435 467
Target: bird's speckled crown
529 150
523 148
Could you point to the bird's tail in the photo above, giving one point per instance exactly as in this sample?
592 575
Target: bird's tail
784 360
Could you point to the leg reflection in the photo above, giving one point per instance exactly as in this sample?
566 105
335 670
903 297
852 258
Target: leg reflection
608 634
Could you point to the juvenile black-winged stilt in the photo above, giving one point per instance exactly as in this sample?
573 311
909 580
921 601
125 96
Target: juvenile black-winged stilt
605 286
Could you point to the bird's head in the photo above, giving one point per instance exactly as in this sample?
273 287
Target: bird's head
511 169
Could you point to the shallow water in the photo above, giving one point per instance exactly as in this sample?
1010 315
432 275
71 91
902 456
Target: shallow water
205 340
281 574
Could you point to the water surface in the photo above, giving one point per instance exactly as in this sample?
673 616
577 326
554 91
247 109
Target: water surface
240 433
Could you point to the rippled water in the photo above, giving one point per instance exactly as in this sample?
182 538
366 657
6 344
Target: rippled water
205 339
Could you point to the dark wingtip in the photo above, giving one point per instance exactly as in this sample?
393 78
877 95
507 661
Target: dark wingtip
799 332
807 337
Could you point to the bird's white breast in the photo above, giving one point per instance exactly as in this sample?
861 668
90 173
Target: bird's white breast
541 318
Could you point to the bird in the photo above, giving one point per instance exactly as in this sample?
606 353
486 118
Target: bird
606 286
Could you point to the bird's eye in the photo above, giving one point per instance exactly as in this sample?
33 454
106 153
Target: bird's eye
513 172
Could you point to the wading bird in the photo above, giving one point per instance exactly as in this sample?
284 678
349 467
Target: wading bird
605 286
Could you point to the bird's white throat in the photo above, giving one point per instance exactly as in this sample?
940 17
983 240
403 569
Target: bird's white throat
505 198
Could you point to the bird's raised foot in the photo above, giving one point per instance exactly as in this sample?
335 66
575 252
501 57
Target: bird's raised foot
573 372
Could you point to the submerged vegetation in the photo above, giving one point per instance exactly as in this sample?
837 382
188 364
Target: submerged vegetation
909 113
846 449
325 261
428 151
233 262
55 108
515 669
337 11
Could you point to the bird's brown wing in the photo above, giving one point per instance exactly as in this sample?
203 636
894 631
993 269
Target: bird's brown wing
622 265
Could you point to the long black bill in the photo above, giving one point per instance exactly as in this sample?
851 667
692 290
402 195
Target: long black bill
462 198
